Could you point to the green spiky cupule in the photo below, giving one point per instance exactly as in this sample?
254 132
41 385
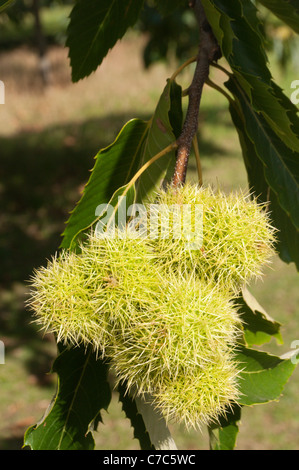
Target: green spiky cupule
236 239
187 337
80 296
160 311
190 321
204 396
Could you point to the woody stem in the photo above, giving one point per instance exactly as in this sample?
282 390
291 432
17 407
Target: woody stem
208 52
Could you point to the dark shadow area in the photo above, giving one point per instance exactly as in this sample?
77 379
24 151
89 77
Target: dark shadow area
12 443
215 116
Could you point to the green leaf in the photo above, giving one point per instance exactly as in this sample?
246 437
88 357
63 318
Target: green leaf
263 376
286 10
223 436
83 391
116 165
258 326
95 26
273 171
236 28
5 4
132 413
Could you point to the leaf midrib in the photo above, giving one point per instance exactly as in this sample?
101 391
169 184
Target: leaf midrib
64 431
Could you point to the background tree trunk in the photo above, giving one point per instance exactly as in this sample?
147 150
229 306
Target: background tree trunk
40 41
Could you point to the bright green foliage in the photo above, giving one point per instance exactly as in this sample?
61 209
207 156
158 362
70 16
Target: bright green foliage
246 56
264 117
114 166
223 435
263 376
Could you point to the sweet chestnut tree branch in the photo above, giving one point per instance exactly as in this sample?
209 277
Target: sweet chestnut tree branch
209 51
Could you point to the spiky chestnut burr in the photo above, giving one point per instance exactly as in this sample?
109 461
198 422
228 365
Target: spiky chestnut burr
61 302
79 296
237 237
159 312
154 329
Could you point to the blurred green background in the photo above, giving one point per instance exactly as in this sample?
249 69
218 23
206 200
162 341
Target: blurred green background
50 131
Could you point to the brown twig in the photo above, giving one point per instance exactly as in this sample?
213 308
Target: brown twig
197 158
209 51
